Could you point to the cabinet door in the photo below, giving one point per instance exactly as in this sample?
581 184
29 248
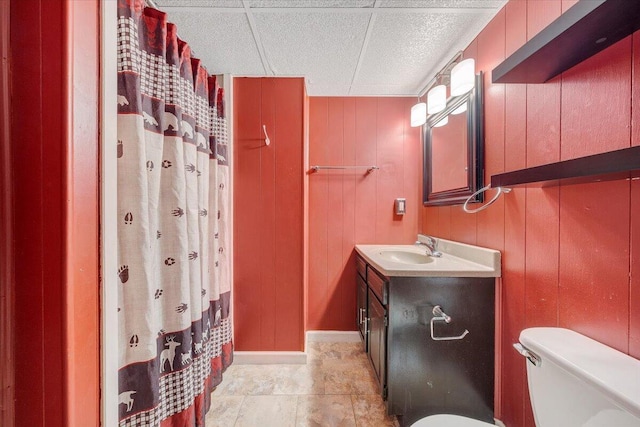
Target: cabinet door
362 310
427 376
377 338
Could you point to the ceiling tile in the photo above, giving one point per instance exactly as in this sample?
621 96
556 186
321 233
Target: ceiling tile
324 47
382 90
442 3
309 3
223 41
320 89
407 49
200 3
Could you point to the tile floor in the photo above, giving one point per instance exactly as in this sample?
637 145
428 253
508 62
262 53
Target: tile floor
336 388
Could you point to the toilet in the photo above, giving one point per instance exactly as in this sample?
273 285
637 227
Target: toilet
573 380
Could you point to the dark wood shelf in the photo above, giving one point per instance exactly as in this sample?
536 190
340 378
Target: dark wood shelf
612 165
585 29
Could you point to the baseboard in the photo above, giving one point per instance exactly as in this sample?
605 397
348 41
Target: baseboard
269 358
292 357
333 336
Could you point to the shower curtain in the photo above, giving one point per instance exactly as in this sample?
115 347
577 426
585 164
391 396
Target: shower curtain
173 205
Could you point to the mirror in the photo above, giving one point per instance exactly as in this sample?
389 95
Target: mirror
453 167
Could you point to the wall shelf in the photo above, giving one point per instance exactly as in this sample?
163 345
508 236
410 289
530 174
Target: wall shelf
583 30
618 164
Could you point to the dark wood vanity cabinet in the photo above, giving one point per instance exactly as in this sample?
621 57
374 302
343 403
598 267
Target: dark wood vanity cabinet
377 339
372 319
361 279
420 375
362 310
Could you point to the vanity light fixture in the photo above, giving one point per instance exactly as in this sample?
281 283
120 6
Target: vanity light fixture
463 77
460 74
436 99
461 109
442 122
418 114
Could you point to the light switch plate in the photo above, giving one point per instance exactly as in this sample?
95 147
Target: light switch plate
401 206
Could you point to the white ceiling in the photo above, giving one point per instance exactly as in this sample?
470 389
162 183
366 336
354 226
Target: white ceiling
341 47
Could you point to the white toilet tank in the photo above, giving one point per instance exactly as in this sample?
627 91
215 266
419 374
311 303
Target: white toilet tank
580 382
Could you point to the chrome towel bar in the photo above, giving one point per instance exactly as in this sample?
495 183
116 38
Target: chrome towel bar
368 168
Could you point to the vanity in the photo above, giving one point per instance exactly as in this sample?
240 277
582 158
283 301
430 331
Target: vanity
427 324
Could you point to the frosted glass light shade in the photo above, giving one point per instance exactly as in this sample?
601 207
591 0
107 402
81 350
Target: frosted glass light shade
442 122
462 77
436 99
418 114
461 109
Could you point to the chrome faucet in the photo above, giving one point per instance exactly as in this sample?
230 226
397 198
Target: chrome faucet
431 245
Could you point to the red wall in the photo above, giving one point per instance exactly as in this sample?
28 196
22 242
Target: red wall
570 252
82 213
7 309
352 207
54 132
269 215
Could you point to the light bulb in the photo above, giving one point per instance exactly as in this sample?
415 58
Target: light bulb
442 122
461 109
418 114
462 77
436 99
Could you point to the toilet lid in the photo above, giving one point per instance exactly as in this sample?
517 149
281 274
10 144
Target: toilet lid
447 420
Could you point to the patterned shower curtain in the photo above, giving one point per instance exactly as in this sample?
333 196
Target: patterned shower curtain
173 205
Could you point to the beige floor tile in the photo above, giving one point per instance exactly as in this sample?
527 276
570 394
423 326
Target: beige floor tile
324 411
336 388
349 377
267 411
336 350
224 411
299 379
248 380
370 411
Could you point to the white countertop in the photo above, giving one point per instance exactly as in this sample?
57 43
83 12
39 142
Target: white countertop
458 260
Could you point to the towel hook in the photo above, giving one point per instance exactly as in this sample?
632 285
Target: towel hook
499 191
267 141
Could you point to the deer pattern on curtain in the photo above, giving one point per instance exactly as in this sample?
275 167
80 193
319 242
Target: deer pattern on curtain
173 206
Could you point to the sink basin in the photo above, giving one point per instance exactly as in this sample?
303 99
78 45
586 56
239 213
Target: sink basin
405 257
457 260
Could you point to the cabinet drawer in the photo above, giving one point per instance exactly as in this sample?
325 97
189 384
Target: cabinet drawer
377 284
361 266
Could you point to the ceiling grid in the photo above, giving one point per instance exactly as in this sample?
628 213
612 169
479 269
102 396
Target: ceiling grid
341 47
363 49
256 37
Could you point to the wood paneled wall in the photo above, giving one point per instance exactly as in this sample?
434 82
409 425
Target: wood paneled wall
54 160
268 214
345 207
7 282
348 207
571 253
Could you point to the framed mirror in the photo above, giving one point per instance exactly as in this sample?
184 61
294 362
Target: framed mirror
453 167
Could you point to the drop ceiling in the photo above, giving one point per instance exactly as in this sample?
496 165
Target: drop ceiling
341 47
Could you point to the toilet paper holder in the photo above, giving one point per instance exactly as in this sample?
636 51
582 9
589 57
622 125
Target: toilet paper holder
441 316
